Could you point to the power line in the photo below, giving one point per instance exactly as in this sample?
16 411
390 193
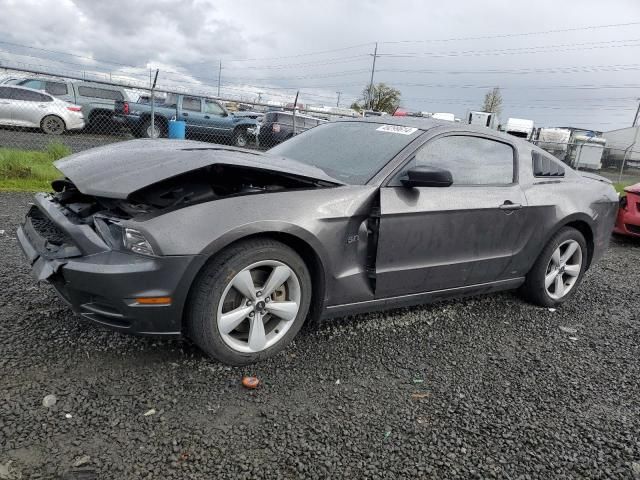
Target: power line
516 50
319 52
506 35
546 70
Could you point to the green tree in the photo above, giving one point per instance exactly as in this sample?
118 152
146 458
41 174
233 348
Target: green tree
493 101
381 97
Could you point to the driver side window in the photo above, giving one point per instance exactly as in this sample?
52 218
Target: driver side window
471 160
213 108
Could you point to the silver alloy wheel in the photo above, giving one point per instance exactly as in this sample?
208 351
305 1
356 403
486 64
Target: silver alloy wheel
258 306
153 133
563 269
52 125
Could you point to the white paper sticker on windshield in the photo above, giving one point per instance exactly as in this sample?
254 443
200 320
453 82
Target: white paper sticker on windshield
397 129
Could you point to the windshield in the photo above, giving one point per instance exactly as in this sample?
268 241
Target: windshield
352 152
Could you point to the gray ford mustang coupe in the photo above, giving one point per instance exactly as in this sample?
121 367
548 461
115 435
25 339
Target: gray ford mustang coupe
235 249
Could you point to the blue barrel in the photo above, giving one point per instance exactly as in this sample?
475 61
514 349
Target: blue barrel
177 129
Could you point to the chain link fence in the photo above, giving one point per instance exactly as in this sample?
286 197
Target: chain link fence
37 110
619 163
45 113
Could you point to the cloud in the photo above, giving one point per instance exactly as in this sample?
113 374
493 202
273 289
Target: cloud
263 48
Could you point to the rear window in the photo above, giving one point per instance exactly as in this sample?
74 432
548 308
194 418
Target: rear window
103 93
352 152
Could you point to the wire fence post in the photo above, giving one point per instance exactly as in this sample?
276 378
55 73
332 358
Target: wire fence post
295 104
626 152
153 104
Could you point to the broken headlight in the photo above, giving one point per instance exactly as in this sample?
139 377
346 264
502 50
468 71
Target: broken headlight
136 242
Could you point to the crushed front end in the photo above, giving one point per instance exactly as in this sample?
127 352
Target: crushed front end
79 245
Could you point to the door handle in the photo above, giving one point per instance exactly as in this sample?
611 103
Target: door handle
508 205
207 116
185 114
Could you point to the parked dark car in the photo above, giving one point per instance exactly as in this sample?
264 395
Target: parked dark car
205 118
276 127
236 248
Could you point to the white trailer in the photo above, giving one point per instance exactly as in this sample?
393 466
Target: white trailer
519 127
620 143
484 119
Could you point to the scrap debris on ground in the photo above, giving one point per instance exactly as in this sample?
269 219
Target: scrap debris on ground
488 387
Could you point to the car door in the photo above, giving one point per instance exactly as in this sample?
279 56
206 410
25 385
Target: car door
436 238
28 107
191 113
6 106
216 120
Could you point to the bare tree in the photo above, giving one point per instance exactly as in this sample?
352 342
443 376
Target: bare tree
381 98
493 101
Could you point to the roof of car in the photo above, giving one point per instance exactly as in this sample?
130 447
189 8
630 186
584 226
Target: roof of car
427 123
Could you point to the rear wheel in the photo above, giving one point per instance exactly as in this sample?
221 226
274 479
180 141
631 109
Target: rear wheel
52 125
558 270
159 129
240 138
249 302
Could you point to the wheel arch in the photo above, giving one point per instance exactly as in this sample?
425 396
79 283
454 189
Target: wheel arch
313 259
584 224
53 115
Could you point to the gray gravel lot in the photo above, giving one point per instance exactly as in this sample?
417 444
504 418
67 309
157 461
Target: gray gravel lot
489 387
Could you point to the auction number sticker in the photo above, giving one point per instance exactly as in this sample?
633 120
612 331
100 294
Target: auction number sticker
396 129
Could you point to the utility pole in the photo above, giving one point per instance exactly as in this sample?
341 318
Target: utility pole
259 97
373 69
219 75
338 102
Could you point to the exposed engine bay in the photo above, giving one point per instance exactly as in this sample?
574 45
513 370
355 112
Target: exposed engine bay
202 185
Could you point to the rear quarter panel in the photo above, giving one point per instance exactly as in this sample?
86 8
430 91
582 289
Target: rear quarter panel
554 202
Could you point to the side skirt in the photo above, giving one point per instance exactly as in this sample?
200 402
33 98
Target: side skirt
420 298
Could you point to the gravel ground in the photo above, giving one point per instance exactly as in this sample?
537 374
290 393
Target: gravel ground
489 387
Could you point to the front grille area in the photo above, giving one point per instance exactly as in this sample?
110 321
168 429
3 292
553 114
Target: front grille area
47 229
633 228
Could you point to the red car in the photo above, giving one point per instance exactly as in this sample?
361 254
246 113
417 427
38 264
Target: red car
628 221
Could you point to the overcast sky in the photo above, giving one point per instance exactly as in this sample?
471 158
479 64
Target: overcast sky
428 50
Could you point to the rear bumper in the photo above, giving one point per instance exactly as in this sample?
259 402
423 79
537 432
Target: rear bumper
103 286
130 121
75 123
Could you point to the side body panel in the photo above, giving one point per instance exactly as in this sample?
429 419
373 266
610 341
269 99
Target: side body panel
332 221
439 238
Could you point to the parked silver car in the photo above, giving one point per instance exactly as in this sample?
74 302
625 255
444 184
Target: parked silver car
26 107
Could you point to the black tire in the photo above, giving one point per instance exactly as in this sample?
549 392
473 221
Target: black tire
160 126
206 295
240 138
534 289
53 125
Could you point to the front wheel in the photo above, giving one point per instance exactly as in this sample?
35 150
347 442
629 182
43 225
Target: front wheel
52 125
558 270
249 302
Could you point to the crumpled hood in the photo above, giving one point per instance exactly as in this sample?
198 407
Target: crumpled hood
119 169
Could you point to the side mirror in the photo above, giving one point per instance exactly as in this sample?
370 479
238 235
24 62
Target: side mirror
426 176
